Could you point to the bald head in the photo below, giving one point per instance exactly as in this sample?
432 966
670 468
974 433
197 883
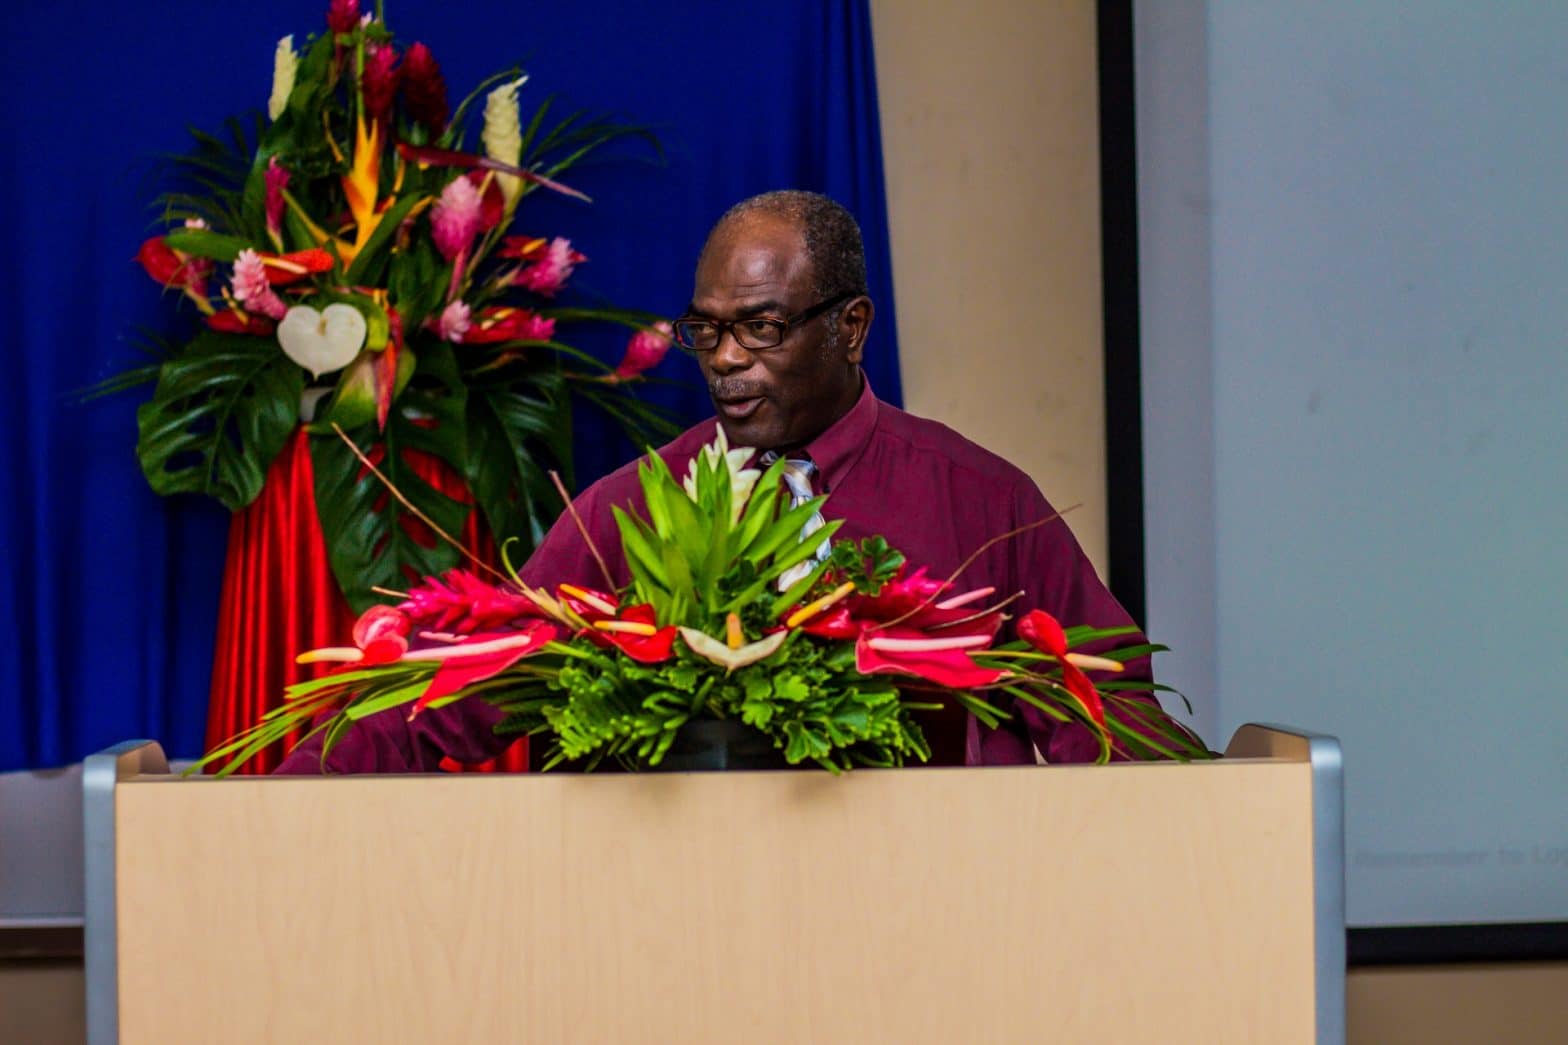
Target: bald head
831 238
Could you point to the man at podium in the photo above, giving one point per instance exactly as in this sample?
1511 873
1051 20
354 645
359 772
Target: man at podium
777 323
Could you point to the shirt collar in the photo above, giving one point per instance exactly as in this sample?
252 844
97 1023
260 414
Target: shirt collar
836 450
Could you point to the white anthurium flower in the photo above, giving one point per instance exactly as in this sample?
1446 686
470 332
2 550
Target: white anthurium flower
285 64
503 135
727 657
742 479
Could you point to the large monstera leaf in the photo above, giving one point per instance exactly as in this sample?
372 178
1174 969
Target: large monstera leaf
373 539
222 410
519 428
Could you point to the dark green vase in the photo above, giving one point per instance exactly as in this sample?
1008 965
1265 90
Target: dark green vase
707 744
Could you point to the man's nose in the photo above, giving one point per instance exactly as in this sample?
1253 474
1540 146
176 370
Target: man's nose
728 355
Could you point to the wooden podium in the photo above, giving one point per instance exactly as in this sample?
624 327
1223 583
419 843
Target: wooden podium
1126 903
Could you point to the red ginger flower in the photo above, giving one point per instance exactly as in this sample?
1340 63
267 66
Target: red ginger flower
644 350
379 82
424 91
460 602
342 15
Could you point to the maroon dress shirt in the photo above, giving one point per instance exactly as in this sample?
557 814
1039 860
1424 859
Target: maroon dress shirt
933 494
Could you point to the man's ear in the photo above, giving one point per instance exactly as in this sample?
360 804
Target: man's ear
855 326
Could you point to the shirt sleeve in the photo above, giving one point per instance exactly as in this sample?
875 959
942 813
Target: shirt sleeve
1058 577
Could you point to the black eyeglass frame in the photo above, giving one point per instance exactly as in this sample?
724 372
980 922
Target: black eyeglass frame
783 326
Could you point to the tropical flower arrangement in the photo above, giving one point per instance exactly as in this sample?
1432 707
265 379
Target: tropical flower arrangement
355 268
825 648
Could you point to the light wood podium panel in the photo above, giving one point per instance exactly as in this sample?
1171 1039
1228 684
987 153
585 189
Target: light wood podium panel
1117 903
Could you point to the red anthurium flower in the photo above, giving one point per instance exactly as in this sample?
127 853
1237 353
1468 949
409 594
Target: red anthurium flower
505 323
836 623
634 632
909 601
908 651
1044 633
479 657
460 602
234 322
524 248
382 633
173 268
492 201
283 269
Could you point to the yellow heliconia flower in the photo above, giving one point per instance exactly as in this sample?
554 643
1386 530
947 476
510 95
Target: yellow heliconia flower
360 186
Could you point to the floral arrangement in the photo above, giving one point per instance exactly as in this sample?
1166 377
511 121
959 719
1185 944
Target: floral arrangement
732 612
355 268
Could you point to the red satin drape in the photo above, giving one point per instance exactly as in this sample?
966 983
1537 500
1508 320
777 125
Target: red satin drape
279 599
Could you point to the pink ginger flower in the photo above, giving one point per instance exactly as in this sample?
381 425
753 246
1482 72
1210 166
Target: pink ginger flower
454 322
456 217
643 351
251 287
277 179
379 82
342 15
199 269
549 274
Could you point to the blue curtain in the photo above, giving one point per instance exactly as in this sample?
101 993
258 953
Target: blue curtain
108 601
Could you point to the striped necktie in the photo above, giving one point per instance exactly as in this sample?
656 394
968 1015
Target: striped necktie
797 476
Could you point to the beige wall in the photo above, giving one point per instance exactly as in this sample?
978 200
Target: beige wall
990 138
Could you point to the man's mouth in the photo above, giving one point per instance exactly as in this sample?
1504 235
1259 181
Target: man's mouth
738 408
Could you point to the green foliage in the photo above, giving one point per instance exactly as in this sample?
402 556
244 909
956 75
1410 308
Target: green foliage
378 540
807 699
870 563
221 411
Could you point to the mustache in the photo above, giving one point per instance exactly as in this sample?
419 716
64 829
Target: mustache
723 389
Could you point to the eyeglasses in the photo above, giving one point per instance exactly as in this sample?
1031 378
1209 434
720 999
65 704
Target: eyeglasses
701 334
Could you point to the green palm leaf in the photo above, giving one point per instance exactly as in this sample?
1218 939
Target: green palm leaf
220 413
517 432
373 538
